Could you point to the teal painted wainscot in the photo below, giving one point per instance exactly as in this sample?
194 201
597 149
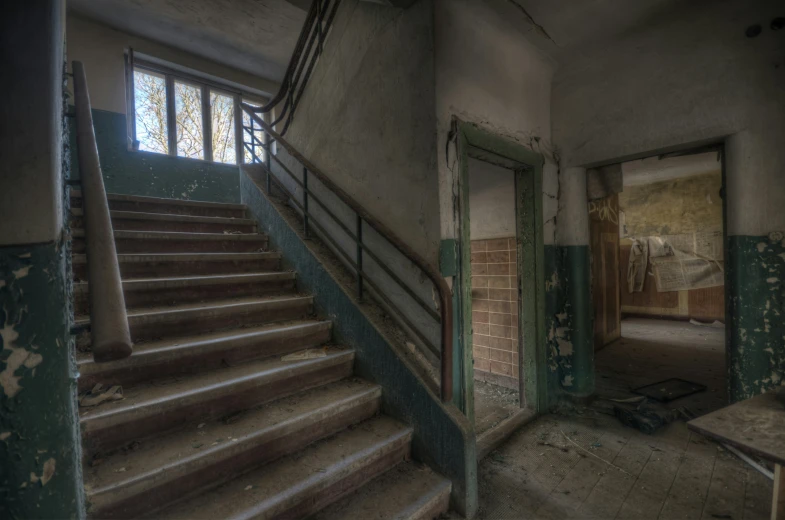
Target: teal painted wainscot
152 174
40 475
756 311
568 321
442 435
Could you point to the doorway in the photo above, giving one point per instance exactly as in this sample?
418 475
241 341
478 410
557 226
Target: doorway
500 283
658 281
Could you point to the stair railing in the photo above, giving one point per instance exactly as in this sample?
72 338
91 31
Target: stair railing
444 315
306 53
110 336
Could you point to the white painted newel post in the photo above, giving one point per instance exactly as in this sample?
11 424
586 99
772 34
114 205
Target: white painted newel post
110 337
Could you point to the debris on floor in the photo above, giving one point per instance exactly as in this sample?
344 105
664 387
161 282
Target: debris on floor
644 416
100 394
310 353
670 389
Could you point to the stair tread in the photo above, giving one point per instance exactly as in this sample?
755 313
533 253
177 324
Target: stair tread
85 361
170 217
267 486
293 297
196 280
81 258
178 235
150 458
397 494
171 389
160 200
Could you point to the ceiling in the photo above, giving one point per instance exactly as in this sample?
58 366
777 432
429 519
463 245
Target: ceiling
561 28
654 169
256 36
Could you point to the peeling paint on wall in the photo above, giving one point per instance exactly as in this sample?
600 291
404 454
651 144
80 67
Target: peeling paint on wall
756 346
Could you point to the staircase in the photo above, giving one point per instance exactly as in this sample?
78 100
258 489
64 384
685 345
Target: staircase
225 414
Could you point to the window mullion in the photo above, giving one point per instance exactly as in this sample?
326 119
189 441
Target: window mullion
171 115
207 130
238 130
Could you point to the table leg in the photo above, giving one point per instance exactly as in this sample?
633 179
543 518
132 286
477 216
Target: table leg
778 500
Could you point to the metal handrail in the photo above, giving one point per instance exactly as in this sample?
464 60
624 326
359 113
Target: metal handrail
315 28
110 336
445 353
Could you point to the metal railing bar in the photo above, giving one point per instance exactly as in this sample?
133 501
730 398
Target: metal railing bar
311 65
427 307
387 270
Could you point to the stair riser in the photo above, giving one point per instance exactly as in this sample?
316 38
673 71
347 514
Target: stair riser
434 508
200 360
195 268
319 499
171 209
162 326
222 469
166 225
150 422
173 296
142 245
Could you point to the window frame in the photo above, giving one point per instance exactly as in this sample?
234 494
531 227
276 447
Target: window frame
207 87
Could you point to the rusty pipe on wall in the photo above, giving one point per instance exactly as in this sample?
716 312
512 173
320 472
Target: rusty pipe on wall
110 336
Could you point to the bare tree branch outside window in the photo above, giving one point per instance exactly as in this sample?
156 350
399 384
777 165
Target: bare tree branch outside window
188 113
150 103
222 111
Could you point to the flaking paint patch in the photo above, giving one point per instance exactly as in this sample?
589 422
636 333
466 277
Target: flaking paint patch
19 357
4 435
46 474
22 272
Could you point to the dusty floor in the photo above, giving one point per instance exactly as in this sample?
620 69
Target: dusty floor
586 464
492 405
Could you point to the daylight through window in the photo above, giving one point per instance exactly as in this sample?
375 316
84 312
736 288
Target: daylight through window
181 116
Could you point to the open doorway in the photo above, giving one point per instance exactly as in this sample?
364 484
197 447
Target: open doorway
658 277
496 344
500 284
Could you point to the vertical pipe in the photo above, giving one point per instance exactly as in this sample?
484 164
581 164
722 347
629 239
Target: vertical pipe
359 257
305 201
111 338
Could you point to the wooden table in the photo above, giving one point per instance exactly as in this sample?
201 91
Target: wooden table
756 426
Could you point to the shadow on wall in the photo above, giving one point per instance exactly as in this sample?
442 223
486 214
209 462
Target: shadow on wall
151 174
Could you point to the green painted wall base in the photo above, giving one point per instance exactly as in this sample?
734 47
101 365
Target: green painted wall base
442 435
153 174
756 314
40 473
569 322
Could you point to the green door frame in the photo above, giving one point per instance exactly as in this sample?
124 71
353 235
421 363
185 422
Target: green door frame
531 269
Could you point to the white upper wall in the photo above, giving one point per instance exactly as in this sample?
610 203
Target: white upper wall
102 51
491 200
489 74
689 77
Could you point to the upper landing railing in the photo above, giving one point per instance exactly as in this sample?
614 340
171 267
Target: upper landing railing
110 337
259 136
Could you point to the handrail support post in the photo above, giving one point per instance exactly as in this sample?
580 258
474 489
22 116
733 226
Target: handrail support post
359 235
305 201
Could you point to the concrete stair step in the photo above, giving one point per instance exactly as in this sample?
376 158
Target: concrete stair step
185 264
192 318
163 470
301 484
159 406
171 291
408 491
121 202
138 221
199 353
177 242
